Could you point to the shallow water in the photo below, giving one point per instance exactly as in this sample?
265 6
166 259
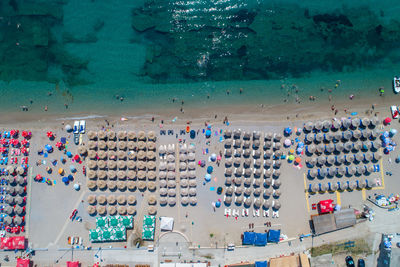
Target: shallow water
82 56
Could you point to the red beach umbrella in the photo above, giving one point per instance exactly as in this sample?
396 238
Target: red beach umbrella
2 149
3 141
24 142
14 142
76 158
50 134
13 132
387 121
23 150
24 134
59 145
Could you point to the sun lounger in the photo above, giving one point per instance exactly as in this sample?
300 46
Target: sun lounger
235 213
227 212
256 213
266 213
275 214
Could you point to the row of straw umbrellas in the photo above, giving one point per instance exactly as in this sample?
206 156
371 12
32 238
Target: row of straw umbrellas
256 183
11 210
121 185
255 153
15 220
341 171
345 136
256 163
344 124
345 185
121 155
15 200
343 147
256 203
343 159
122 135
113 146
122 175
255 135
248 191
121 165
12 170
111 200
187 180
15 190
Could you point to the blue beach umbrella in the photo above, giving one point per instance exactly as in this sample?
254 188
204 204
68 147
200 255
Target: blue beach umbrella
217 204
70 177
65 180
69 154
210 169
207 177
72 168
49 148
208 133
288 131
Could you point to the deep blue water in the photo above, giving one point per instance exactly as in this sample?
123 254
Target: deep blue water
87 54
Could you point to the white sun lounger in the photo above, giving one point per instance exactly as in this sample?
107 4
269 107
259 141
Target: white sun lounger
256 213
275 214
266 213
227 212
235 213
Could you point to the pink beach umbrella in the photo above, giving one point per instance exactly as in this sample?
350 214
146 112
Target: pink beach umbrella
3 141
219 157
24 150
24 142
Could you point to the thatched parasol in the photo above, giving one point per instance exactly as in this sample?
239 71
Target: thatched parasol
332 171
121 165
340 159
112 175
321 160
171 192
121 185
320 148
152 210
229 191
131 185
308 126
336 125
82 150
111 200
326 125
111 145
152 200
131 200
339 147
122 145
122 210
318 125
151 175
111 164
121 175
239 200
91 210
171 175
141 135
162 175
101 210
111 135
228 153
141 155
348 146
357 134
330 159
238 190
192 183
92 154
228 172
346 123
102 145
91 199
101 135
366 134
193 201
151 146
349 158
131 135
92 135
341 171
141 165
151 186
151 135
121 199
361 170
131 145
150 155
141 175
359 157
141 185
368 156
247 202
377 156
102 200
309 138
191 165
112 185
102 175
112 210
8 210
101 164
92 145
122 135
365 122
131 210
102 154
277 205
171 184
228 133
228 143
247 182
278 137
351 170
355 122
92 185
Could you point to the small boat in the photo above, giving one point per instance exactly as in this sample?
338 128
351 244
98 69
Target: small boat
395 112
396 84
82 126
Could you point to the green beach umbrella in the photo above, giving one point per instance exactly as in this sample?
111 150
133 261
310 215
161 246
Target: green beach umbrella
113 221
101 222
291 158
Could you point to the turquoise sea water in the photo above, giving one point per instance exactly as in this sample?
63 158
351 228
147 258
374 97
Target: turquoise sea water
87 54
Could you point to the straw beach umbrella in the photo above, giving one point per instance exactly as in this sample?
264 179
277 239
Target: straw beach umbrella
91 210
121 145
308 126
131 200
92 145
151 146
91 199
102 135
355 122
92 135
92 154
112 185
336 125
318 125
102 145
122 135
141 135
101 210
111 145
101 164
121 185
92 164
151 175
111 210
92 185
228 133
141 185
131 185
348 146
151 135
102 200
131 135
357 134
171 192
102 175
111 135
